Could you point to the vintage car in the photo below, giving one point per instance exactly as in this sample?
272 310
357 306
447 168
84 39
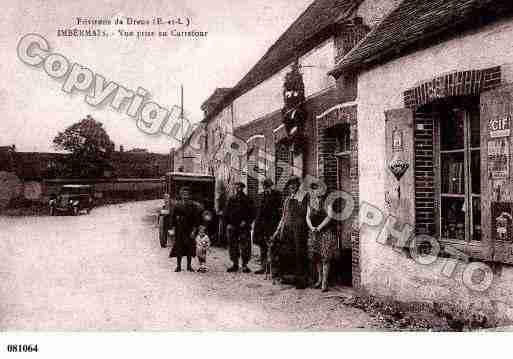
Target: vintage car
202 191
72 199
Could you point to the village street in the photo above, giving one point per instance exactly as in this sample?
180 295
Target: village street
106 271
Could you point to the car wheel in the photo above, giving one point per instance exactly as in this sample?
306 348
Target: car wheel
162 232
76 211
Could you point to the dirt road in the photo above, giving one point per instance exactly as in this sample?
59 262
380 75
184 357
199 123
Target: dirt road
106 271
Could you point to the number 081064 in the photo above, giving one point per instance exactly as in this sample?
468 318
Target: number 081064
22 348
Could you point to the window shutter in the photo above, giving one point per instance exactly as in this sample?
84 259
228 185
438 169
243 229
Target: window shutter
496 184
400 152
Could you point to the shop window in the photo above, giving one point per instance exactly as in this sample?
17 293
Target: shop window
459 189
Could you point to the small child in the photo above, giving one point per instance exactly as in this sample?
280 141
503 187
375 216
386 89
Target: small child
202 245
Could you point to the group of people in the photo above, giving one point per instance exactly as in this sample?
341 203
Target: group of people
295 232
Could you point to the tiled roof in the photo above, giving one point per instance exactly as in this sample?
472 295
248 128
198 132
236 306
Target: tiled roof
216 97
414 21
308 30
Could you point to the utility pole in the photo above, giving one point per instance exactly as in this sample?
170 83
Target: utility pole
183 131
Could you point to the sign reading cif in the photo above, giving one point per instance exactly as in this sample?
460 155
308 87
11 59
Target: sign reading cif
499 127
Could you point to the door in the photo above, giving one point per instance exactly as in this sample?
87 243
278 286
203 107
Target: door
344 263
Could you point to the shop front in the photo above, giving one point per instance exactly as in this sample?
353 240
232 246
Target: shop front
447 176
453 138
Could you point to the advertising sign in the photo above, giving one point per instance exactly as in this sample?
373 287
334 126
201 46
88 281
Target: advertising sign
498 158
499 127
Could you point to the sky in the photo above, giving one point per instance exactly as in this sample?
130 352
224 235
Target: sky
34 108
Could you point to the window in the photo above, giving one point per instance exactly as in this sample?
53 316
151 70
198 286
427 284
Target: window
342 136
459 193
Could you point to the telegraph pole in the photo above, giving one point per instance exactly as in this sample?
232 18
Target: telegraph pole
183 131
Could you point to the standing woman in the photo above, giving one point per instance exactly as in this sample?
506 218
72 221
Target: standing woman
322 240
185 218
292 233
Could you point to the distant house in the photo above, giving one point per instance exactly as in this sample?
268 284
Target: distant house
139 164
6 158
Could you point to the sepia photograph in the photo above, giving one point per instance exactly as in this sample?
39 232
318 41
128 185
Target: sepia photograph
291 166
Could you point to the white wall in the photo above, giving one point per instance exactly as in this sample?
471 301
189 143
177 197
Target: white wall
380 89
221 124
267 97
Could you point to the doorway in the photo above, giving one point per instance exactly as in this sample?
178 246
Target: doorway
336 153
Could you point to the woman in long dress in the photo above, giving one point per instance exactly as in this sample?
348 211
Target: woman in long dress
322 240
185 217
292 234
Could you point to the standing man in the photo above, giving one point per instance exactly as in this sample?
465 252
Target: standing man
267 219
239 215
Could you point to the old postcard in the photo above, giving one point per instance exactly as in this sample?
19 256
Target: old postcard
286 165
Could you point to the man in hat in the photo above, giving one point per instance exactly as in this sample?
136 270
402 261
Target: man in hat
239 216
267 219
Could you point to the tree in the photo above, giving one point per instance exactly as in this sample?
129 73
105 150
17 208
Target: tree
90 148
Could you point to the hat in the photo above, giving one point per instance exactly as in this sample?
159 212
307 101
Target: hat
268 183
293 180
239 184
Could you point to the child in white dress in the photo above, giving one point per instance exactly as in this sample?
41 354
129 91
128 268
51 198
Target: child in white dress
202 246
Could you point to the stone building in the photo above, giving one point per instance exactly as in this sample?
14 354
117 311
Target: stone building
246 130
407 107
434 98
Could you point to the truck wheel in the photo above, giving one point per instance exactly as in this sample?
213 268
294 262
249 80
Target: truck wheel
162 232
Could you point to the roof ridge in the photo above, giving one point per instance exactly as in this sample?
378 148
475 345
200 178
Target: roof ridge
312 24
413 21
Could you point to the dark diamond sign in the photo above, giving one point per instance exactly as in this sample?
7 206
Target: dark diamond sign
398 167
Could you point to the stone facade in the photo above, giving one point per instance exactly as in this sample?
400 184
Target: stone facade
410 81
